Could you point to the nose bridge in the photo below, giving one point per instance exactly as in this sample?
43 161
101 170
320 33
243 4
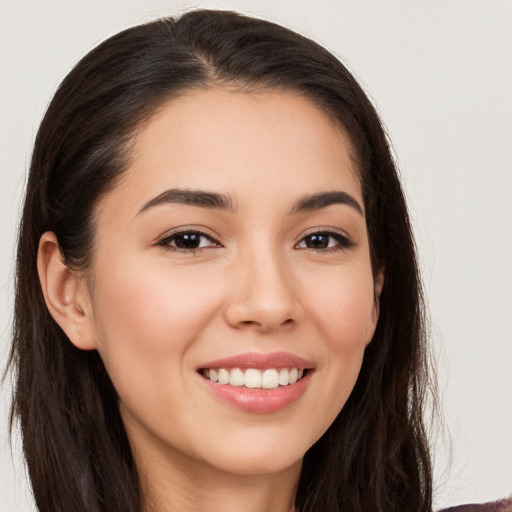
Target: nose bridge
262 290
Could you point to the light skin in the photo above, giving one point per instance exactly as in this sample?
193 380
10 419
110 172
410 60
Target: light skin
282 264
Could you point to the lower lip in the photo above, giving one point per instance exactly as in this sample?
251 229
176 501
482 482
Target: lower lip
259 400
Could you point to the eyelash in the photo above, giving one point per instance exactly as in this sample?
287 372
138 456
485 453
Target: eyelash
343 241
168 239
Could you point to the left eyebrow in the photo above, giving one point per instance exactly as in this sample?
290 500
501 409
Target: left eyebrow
314 202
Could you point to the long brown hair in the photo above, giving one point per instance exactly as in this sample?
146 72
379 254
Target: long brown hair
374 457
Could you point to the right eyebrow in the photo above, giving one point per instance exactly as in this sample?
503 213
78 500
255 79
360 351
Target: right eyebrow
201 198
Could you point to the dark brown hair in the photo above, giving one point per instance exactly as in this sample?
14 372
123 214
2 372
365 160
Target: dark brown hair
374 457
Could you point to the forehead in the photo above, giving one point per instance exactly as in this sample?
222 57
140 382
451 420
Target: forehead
239 143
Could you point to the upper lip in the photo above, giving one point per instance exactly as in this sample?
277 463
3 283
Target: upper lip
259 360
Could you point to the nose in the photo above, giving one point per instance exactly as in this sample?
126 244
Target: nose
262 294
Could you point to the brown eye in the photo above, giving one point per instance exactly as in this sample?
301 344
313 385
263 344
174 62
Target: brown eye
324 240
318 241
188 241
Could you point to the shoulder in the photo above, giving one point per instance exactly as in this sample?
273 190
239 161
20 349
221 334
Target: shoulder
495 506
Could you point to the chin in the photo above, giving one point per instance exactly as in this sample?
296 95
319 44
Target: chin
259 457
260 466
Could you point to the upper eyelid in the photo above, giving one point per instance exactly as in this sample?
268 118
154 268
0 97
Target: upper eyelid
188 229
344 239
325 230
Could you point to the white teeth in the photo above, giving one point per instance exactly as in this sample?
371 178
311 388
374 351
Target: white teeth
223 376
253 378
270 379
284 377
236 377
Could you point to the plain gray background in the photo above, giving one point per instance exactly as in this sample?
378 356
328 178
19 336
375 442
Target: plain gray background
440 73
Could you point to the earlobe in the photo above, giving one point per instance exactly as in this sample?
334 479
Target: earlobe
65 293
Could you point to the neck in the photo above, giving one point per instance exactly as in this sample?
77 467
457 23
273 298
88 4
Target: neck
169 483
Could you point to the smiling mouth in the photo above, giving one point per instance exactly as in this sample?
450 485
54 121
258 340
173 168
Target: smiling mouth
253 378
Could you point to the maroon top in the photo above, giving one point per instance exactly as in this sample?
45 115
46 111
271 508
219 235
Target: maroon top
495 506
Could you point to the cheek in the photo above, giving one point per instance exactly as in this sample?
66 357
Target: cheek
148 320
342 304
147 299
145 325
343 313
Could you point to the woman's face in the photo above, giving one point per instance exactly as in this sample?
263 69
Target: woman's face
233 254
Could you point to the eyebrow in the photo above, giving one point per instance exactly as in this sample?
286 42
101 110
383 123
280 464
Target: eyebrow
201 198
216 201
314 202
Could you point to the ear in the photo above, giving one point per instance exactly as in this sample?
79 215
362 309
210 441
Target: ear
66 293
378 281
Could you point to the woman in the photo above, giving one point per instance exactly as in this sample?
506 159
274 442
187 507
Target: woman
229 309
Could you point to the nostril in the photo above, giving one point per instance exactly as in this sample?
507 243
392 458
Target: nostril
263 325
